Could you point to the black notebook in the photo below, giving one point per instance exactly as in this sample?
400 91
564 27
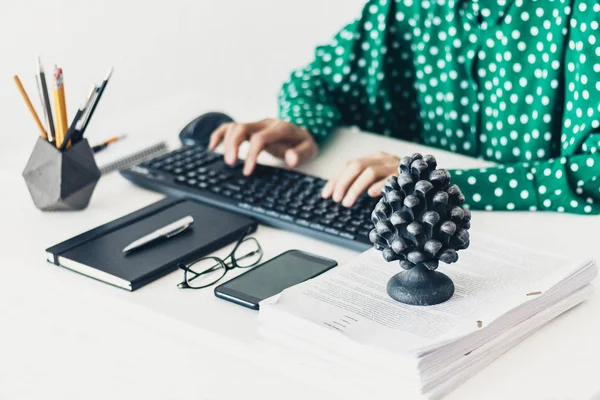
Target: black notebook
99 253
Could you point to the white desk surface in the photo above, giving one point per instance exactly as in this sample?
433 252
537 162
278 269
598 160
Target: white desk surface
64 336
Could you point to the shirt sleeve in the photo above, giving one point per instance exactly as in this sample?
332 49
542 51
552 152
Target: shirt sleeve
337 87
569 182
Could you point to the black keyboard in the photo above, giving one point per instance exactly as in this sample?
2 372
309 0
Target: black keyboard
274 196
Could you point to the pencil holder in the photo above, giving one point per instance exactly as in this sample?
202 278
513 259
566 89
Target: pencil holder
61 180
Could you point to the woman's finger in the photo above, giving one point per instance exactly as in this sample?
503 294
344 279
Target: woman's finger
236 134
217 136
352 170
369 175
258 141
376 188
305 150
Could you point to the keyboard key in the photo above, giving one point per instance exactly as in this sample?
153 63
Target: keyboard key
273 214
317 226
302 222
351 229
332 231
203 185
232 187
326 222
245 206
347 235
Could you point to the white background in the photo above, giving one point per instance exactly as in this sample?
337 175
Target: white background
173 59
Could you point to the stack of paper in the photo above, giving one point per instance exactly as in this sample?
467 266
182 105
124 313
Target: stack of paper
343 327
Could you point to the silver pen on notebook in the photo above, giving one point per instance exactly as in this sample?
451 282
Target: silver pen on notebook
165 232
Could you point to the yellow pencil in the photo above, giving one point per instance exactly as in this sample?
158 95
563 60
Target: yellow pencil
60 107
30 106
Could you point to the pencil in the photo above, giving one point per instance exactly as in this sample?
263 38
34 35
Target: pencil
31 109
99 147
46 105
60 107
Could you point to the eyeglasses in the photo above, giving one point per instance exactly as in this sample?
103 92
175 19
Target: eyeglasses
207 271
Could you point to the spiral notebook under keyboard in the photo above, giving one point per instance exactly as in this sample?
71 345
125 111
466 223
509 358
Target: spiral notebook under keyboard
127 153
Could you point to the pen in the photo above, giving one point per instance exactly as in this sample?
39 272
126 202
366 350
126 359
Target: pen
30 106
67 139
165 232
39 88
98 148
60 107
96 100
77 136
72 133
46 105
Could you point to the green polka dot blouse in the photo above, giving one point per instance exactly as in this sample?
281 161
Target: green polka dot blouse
516 82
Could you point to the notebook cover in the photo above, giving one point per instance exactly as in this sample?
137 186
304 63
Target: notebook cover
101 248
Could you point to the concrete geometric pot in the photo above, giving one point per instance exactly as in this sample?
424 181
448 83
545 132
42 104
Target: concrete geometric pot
61 181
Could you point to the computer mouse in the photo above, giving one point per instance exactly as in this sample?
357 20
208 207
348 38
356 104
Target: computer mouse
198 131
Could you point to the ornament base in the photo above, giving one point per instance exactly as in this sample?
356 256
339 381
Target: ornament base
420 286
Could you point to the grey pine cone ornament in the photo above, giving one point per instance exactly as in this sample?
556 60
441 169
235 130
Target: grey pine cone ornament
419 222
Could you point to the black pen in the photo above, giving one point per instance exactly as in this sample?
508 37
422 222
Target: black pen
72 135
46 105
96 100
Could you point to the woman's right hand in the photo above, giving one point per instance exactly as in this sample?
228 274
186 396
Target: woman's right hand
281 139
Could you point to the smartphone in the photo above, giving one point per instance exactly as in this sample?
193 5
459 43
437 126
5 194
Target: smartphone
272 277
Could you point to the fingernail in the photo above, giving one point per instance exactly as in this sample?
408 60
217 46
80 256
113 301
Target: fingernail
325 193
229 158
348 201
292 158
337 198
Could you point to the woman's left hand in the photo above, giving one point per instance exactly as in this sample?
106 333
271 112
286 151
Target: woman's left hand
365 174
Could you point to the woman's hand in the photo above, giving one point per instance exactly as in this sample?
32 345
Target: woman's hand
279 138
367 173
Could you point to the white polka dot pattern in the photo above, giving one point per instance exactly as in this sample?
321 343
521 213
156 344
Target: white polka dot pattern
514 82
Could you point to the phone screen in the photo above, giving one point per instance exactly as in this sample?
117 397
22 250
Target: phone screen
272 277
